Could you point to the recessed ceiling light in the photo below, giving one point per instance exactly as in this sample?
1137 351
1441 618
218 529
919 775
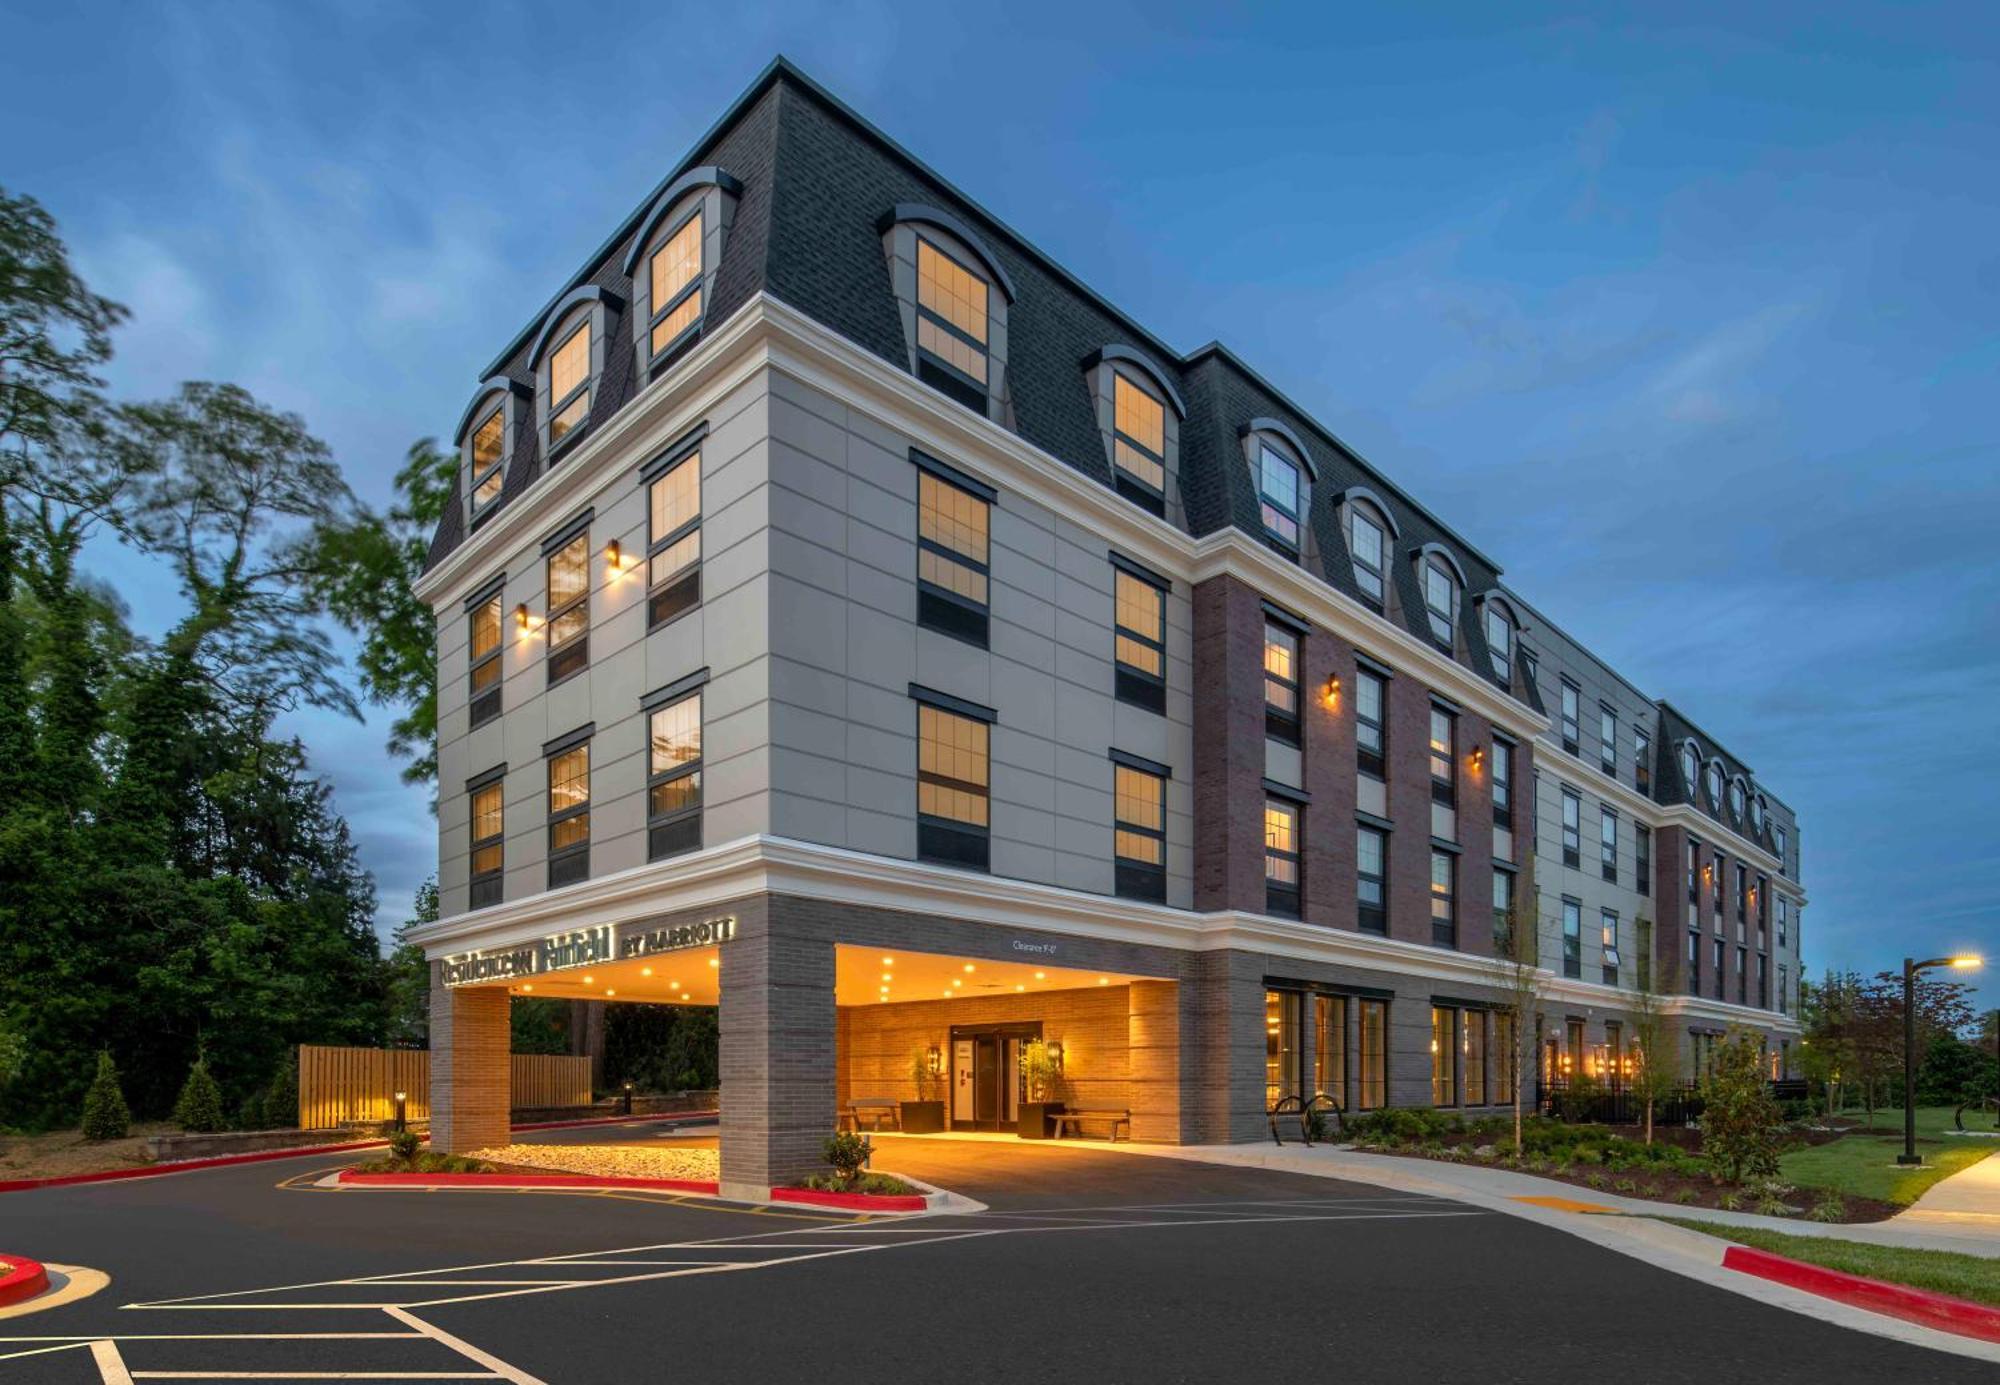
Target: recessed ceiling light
673 985
1041 976
888 976
1104 981
888 961
645 971
970 967
1020 988
956 981
586 979
715 961
608 993
527 985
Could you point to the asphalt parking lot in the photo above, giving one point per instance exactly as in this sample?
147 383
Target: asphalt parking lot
1089 1265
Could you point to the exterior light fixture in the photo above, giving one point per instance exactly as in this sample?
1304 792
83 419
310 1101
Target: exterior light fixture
521 616
628 1099
1055 1049
715 961
614 555
1964 961
1104 981
1333 691
956 981
588 979
1478 758
888 976
608 993
933 1060
402 1109
1020 988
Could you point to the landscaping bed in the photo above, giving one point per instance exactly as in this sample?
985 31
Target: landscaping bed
681 1163
1606 1159
424 1161
1972 1277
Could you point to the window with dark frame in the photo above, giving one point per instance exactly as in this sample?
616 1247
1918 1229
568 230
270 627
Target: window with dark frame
1572 829
1281 682
673 548
1138 444
1694 962
1473 1053
1607 844
1721 967
1500 644
1642 761
1372 1076
1444 757
483 635
952 310
1444 1055
488 456
1572 712
674 276
569 608
953 781
1139 641
569 383
1718 888
1642 851
1370 690
1371 852
1607 922
952 553
1278 498
1607 739
673 777
1330 1048
1282 840
1140 833
1742 895
1503 911
1444 899
1441 603
1369 544
569 815
489 843
1763 982
1572 938
1503 785
1742 976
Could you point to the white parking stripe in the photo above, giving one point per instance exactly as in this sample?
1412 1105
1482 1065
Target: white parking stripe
110 1365
466 1349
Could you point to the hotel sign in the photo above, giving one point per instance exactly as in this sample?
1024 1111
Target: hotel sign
584 947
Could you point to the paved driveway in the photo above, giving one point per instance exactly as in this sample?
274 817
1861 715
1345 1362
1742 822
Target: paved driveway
1090 1266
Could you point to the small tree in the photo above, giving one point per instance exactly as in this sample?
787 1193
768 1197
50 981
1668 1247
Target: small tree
1516 947
1740 1123
199 1108
1657 1067
1039 1069
929 1081
105 1114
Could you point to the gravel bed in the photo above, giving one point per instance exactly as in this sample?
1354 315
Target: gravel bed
615 1161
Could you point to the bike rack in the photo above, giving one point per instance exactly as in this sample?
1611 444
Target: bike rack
1286 1106
1321 1101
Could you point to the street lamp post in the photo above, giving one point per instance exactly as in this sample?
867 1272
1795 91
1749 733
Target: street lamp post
1910 969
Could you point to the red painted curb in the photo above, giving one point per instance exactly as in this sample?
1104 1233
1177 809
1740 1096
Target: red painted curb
1940 1311
522 1180
852 1202
304 1151
21 1279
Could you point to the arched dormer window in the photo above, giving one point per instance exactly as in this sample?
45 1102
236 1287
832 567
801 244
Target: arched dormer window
568 361
485 439
1442 581
1759 811
673 261
1139 412
1714 783
1691 770
1284 472
1737 797
1501 625
1369 528
953 294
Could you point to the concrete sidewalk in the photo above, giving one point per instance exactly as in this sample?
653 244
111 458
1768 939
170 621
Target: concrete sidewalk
1968 1233
1965 1206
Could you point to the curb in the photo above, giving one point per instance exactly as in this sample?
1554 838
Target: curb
854 1202
21 1278
1939 1311
503 1182
18 1185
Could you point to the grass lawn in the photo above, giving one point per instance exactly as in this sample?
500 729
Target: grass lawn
1864 1163
1939 1271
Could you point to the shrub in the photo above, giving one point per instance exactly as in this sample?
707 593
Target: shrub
250 1115
1830 1206
199 1108
1627 1185
281 1099
1685 1195
1771 1205
847 1152
1740 1125
105 1114
403 1144
1730 1200
1597 1180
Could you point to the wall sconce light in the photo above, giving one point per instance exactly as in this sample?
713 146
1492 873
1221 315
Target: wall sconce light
1478 758
524 618
934 1060
1333 691
614 555
1056 1055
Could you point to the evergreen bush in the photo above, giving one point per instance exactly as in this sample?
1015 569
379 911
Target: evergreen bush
1740 1124
105 1114
199 1109
281 1101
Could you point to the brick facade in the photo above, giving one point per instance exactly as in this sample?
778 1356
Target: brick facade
471 1077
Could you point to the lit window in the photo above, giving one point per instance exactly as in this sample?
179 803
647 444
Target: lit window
1441 601
489 839
1281 857
1444 899
1372 1086
1371 850
484 653
1572 828
1444 1055
1140 833
1330 1048
1369 690
1500 643
1281 683
1608 935
569 815
489 447
1278 488
673 549
1281 1045
1369 543
1573 939
1138 437
952 528
1444 766
951 318
952 786
1139 641
569 608
569 383
675 275
673 778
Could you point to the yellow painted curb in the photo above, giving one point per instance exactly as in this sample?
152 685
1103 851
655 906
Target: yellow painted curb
1567 1204
77 1283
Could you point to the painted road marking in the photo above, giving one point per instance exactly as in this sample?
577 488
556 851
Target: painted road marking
110 1365
71 1282
466 1349
1567 1204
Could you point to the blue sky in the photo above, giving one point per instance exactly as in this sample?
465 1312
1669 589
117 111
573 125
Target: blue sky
1695 327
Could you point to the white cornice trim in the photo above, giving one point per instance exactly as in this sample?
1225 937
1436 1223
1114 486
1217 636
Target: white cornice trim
781 865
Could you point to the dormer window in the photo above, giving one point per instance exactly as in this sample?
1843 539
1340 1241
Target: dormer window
1440 600
951 324
1278 494
673 275
1757 814
1500 643
1691 768
1369 544
569 383
1715 786
672 262
1736 800
952 295
1139 443
485 439
487 458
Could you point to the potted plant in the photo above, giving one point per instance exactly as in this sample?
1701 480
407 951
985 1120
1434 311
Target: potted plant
925 1115
1041 1073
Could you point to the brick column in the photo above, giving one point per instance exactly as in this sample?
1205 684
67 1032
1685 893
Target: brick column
1224 1084
777 1057
1229 752
1155 1039
471 1081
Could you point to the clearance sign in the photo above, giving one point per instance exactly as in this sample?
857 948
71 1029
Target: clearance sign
584 947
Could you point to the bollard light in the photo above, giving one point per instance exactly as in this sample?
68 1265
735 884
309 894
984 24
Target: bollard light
402 1107
628 1098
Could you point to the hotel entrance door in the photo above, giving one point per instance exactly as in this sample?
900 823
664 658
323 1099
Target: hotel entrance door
986 1075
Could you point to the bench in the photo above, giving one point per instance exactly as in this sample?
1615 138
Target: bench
872 1113
1074 1120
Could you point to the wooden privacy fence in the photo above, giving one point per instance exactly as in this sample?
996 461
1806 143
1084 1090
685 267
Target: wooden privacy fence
342 1086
